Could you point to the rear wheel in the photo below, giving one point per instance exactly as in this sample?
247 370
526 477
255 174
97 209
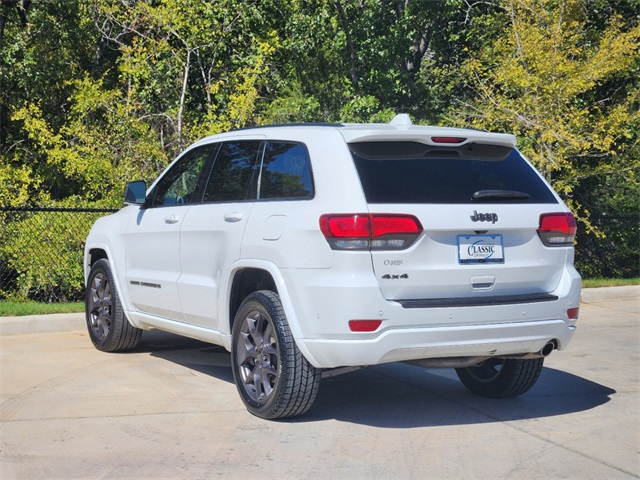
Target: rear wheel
272 376
108 328
501 378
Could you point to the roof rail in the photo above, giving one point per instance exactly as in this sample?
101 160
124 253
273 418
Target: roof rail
278 125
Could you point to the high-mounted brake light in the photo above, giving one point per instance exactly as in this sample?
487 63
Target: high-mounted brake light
557 229
363 231
447 139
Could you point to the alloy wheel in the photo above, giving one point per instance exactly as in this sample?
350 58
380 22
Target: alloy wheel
257 356
100 306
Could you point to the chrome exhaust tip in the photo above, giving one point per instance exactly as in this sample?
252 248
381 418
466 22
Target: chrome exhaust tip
548 348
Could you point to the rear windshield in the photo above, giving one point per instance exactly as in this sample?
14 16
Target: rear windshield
412 172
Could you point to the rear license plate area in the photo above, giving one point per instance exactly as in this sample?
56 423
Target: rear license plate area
475 249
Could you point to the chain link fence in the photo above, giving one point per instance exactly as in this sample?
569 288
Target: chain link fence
617 254
41 252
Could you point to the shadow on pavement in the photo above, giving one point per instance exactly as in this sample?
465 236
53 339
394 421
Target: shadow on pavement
398 395
404 396
202 357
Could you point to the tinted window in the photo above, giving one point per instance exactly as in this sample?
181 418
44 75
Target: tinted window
411 172
182 184
286 172
232 178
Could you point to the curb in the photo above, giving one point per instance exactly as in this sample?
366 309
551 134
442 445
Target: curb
28 324
628 292
66 322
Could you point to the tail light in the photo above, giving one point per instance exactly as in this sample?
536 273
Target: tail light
363 231
557 229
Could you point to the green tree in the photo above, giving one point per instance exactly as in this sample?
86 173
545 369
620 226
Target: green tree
346 60
98 92
43 46
569 90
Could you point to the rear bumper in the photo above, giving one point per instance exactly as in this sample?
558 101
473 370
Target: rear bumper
321 312
439 342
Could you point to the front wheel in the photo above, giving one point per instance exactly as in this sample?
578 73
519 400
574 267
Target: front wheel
272 376
501 378
109 329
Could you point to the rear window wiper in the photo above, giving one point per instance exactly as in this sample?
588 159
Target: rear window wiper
499 195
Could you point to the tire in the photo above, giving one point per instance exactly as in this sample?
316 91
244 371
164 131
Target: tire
501 378
108 328
283 384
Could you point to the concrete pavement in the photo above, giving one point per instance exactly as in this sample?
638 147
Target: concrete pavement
170 410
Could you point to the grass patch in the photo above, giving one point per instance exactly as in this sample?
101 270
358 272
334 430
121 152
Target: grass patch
19 309
609 282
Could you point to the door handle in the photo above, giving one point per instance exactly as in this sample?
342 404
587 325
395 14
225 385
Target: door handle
171 219
232 217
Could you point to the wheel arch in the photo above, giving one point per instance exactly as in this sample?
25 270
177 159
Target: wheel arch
246 281
96 254
92 255
248 276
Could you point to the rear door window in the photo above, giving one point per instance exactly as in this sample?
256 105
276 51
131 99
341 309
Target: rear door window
412 172
234 174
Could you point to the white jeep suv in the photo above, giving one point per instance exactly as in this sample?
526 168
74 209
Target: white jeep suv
304 249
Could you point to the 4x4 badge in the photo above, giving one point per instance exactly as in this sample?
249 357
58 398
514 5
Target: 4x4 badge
395 277
484 217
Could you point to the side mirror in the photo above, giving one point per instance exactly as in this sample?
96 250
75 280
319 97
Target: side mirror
135 193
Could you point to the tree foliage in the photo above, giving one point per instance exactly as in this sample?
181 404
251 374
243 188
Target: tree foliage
96 92
569 90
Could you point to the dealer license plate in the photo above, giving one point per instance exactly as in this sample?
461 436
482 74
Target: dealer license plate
474 249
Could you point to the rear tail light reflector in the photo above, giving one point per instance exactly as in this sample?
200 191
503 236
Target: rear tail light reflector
572 313
557 229
363 231
364 325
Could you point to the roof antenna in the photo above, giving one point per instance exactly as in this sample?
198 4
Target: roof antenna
402 120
